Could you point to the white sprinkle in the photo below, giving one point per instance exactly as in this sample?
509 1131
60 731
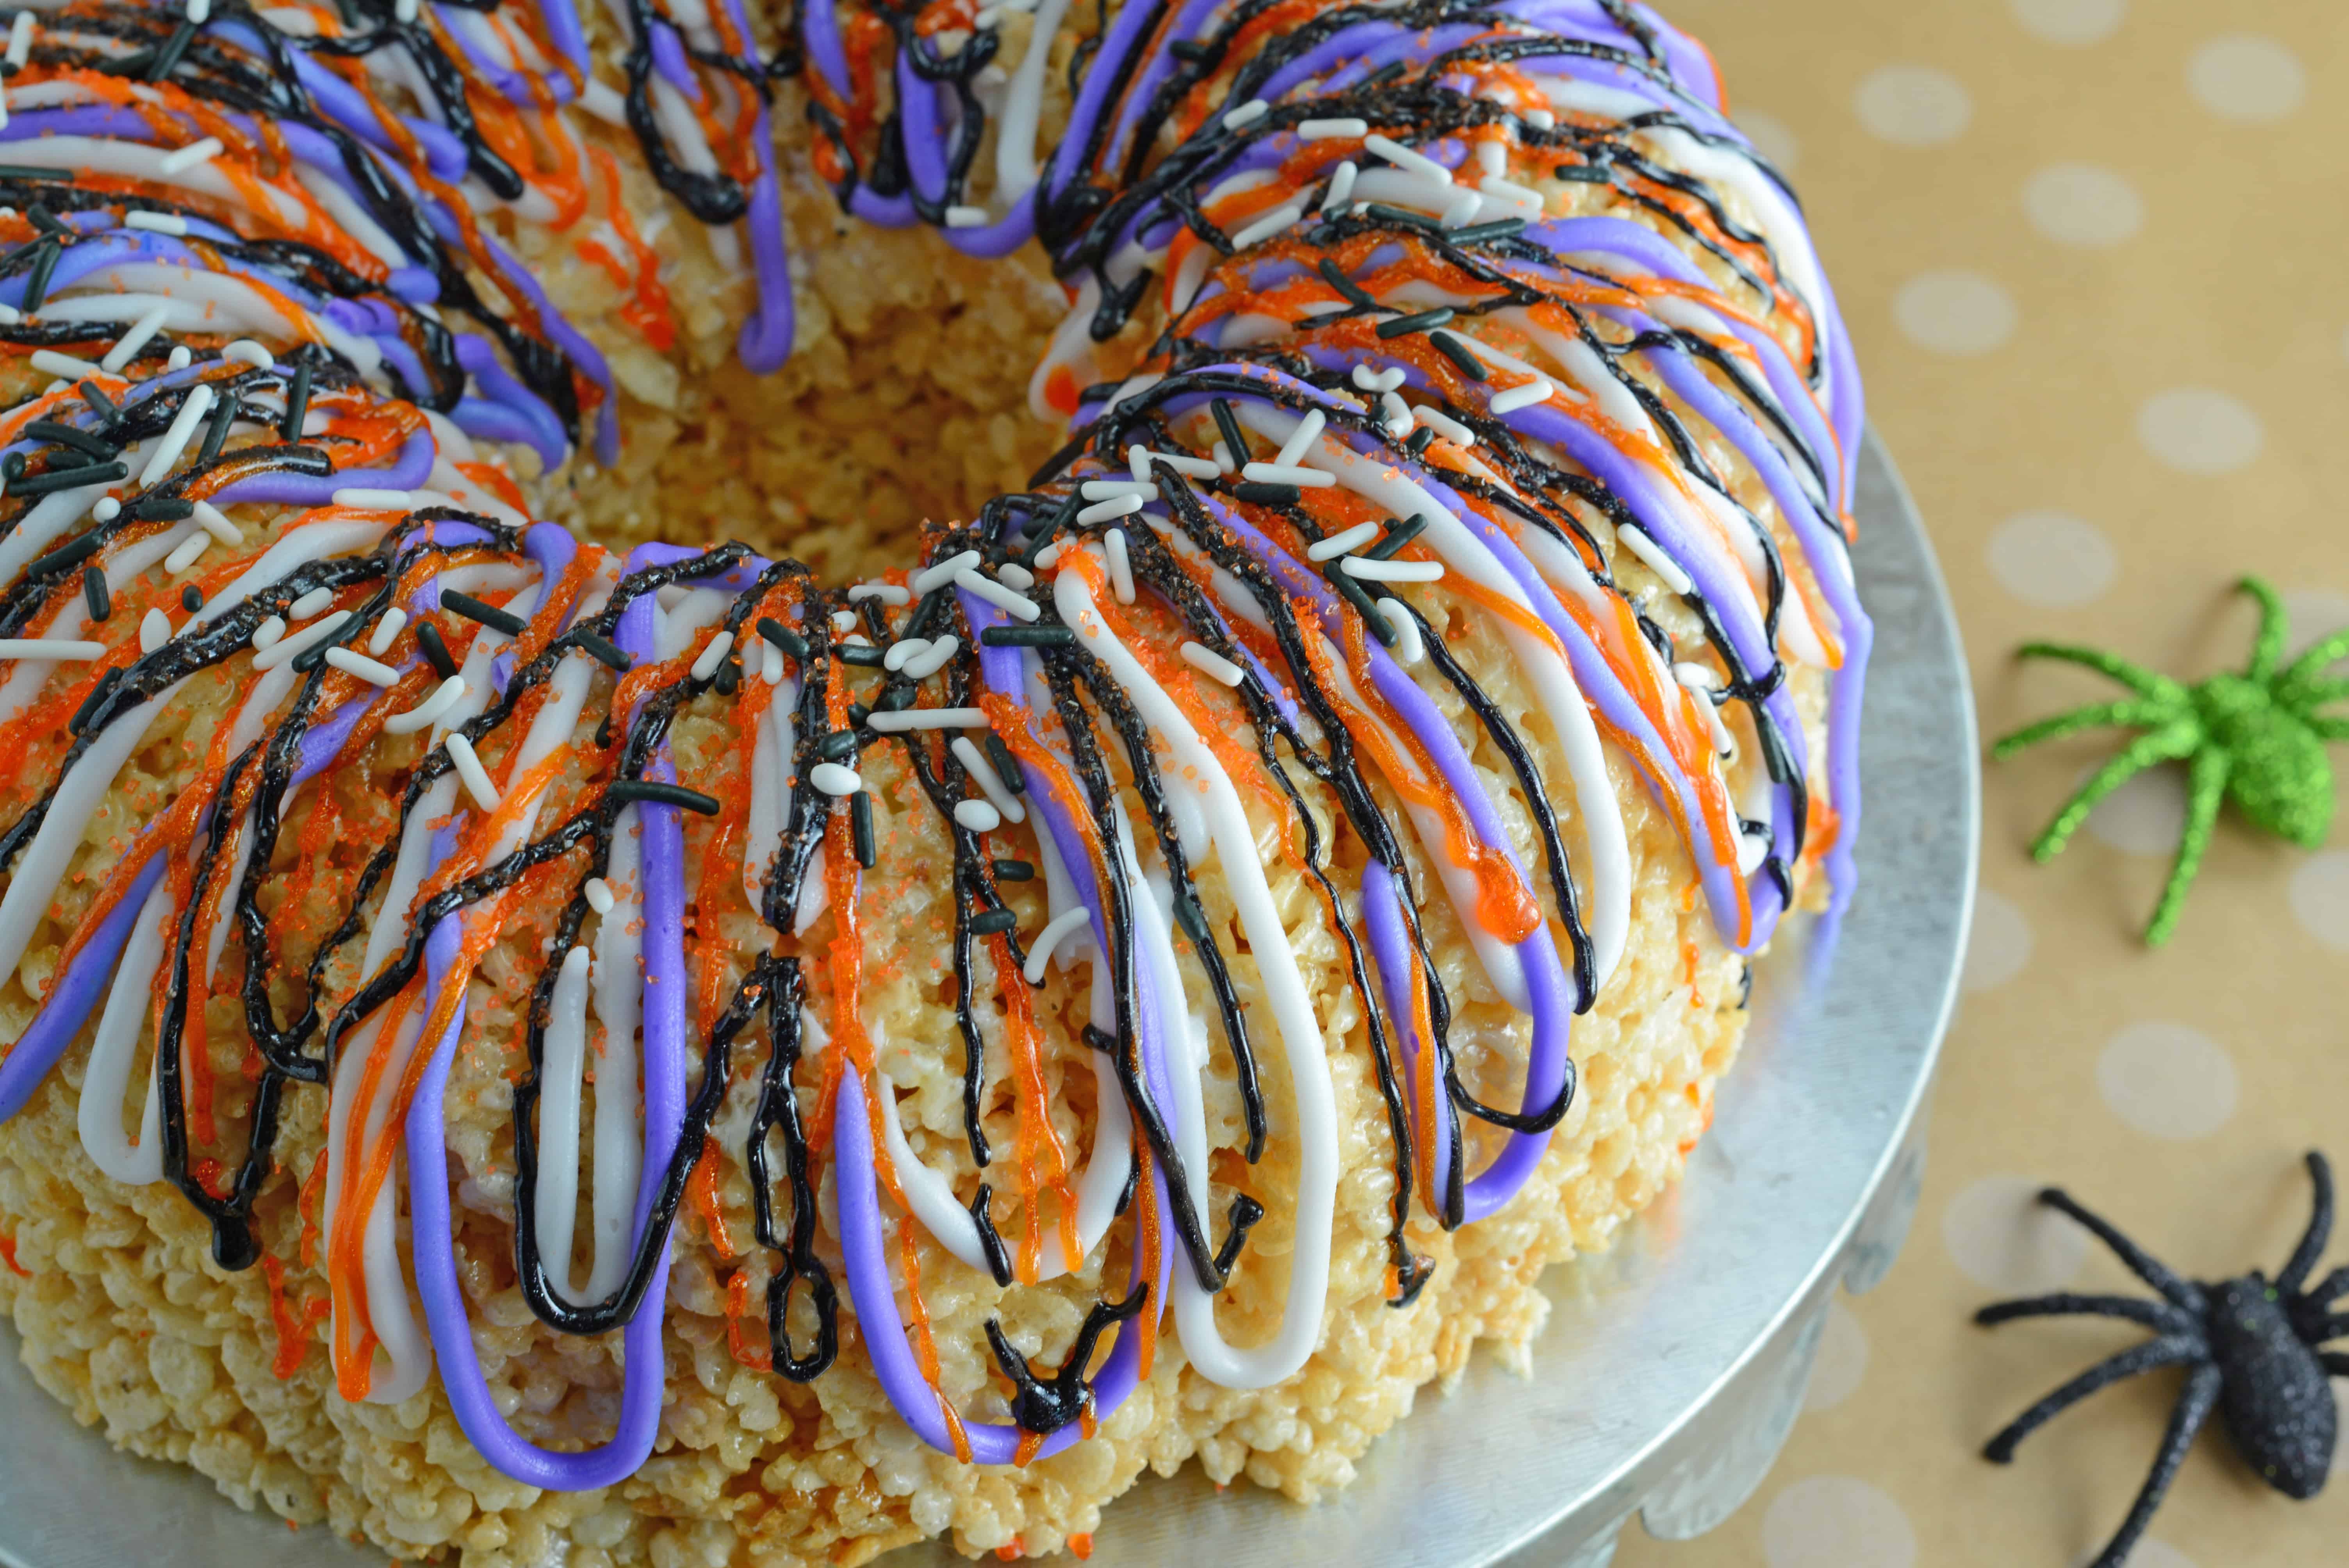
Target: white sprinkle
1046 558
1271 223
1332 130
212 521
1108 511
713 654
835 780
190 549
1446 425
770 667
1493 185
978 816
934 577
1002 598
887 593
1662 564
58 647
1223 459
1403 156
844 621
1117 489
1247 113
156 222
1019 576
249 352
404 10
599 896
1370 380
365 497
20 38
1341 186
1539 119
967 218
1400 416
386 631
107 509
1695 675
900 650
200 11
905 718
154 630
987 19
1391 570
424 713
1282 474
1200 656
983 774
369 670
922 666
1301 441
181 359
176 436
469 770
132 341
317 602
9 314
1183 463
1040 954
268 632
1120 566
1463 210
188 157
1409 647
64 366
301 642
1524 396
1337 544
1137 463
1492 156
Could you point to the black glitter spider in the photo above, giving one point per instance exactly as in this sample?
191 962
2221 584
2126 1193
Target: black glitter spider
2253 1343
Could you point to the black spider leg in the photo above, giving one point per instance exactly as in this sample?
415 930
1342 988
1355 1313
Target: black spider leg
2193 1408
2183 1292
2319 1233
2158 1316
2169 1350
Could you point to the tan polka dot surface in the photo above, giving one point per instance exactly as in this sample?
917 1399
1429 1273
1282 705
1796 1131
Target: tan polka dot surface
2094 252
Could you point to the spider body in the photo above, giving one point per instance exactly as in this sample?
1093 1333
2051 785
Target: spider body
2256 738
2254 1349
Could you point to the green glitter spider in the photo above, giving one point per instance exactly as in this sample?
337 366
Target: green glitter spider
2255 736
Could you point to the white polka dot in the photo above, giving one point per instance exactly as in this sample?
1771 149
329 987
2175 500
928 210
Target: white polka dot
1842 1360
2000 944
2320 897
2315 614
1835 1521
2068 21
2198 431
2003 1239
2167 1080
1913 106
2082 205
2145 816
1954 313
1772 138
2243 76
2051 559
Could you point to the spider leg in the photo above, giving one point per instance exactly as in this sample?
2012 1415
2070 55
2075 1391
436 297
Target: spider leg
2332 1287
2158 1316
2304 669
2194 1407
2167 1351
2336 1362
2319 1228
2140 713
2206 789
2140 1263
2136 677
2163 745
2330 728
2269 646
2335 1326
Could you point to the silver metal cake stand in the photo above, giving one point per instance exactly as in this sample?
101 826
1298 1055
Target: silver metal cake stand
1673 1367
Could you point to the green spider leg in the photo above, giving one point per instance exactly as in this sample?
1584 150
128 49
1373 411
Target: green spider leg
2301 687
2331 728
2140 714
2205 787
2268 648
2136 677
2170 743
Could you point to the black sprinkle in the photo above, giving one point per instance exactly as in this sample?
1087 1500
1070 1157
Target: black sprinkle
860 829
1478 233
1386 214
655 792
166 58
900 696
1014 871
839 744
66 479
72 436
863 656
1017 636
1584 173
489 615
36 282
858 713
13 467
96 699
216 433
72 552
1457 352
41 218
153 508
729 678
1189 50
1266 495
1417 321
1417 442
1335 275
96 594
1000 755
1359 596
1188 915
191 598
603 650
1397 535
297 402
428 637
1229 424
782 636
992 921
